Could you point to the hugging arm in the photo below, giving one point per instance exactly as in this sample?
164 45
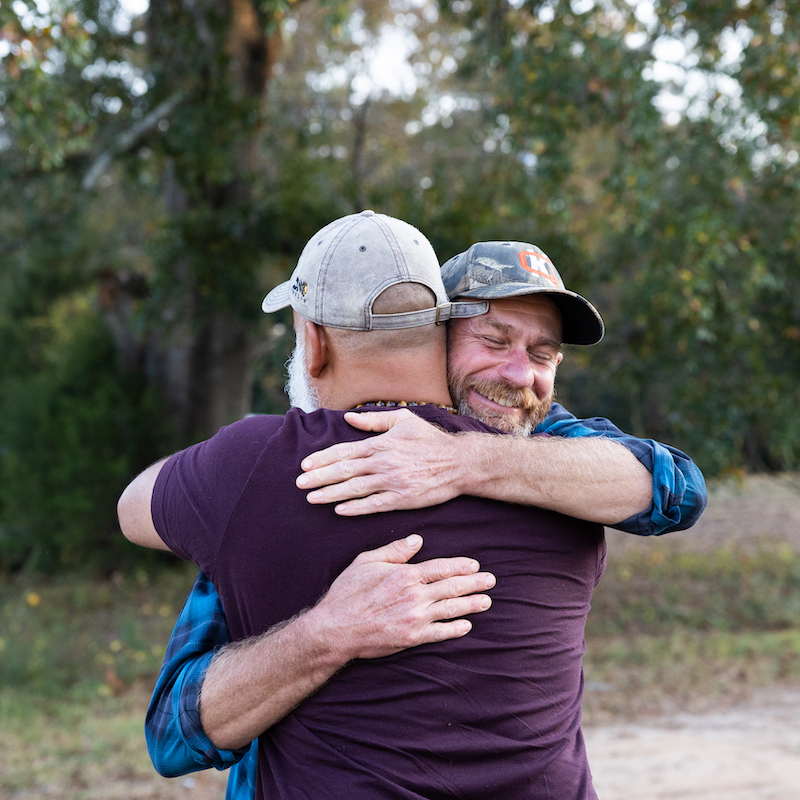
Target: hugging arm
175 737
677 498
587 469
380 604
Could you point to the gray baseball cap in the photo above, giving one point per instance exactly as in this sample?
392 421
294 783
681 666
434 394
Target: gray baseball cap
494 270
347 264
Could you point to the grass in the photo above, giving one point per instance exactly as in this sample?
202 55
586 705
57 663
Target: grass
668 630
78 658
687 630
73 634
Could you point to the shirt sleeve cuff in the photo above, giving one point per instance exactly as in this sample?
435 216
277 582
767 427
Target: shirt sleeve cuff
186 693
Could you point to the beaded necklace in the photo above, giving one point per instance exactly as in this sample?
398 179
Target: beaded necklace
403 404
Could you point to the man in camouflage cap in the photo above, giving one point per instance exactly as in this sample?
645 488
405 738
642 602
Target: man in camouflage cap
501 370
496 270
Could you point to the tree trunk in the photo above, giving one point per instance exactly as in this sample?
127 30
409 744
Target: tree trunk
201 353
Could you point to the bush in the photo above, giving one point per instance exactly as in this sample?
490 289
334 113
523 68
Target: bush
74 428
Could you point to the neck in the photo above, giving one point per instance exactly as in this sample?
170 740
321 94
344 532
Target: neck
416 377
406 387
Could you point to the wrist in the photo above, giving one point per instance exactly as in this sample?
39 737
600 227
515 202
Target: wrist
328 648
469 454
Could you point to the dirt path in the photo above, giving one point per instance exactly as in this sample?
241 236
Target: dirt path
747 752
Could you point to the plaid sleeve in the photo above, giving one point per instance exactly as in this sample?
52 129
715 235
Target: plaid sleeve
175 739
679 489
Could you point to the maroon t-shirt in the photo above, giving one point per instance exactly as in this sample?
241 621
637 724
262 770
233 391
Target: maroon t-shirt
495 714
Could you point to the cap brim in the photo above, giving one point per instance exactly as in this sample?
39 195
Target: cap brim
582 323
277 299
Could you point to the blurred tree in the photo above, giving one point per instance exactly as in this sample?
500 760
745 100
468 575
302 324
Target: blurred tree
681 227
151 189
707 253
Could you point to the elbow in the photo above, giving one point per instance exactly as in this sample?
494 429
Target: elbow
133 514
135 517
694 502
692 514
125 516
173 760
166 770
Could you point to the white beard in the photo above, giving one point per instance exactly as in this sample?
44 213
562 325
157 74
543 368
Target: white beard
301 393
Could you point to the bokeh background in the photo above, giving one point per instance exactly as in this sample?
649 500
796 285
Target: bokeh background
162 166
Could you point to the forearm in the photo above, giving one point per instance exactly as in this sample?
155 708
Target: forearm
595 479
251 685
379 605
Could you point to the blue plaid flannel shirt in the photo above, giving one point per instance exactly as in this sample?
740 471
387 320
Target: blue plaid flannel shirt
175 738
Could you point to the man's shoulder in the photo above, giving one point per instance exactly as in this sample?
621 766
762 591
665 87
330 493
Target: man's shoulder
269 424
325 422
296 430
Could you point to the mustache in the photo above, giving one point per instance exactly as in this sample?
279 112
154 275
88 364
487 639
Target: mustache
504 395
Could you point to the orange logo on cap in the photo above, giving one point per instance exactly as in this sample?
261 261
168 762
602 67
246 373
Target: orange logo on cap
542 266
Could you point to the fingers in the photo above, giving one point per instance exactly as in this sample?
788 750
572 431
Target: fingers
335 477
343 451
438 570
456 607
442 631
379 421
373 504
390 605
397 552
451 609
459 596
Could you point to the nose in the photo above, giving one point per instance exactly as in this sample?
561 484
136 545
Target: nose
517 370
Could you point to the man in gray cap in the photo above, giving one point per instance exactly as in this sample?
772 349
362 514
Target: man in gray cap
335 744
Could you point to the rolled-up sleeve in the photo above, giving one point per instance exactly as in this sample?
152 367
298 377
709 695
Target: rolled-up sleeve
175 738
679 489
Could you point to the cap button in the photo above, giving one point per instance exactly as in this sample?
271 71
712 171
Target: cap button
367 213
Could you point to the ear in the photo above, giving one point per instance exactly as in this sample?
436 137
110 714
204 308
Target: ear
317 352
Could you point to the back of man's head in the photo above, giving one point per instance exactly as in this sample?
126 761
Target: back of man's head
399 299
349 263
372 285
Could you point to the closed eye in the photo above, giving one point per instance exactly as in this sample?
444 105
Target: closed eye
543 357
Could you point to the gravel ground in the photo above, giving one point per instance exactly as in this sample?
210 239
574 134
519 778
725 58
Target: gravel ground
748 752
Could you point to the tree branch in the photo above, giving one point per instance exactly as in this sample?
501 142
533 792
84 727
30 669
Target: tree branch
127 139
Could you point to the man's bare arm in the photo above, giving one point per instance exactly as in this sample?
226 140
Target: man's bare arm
133 509
378 606
415 465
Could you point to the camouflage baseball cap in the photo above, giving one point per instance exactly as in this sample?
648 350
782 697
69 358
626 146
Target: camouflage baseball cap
508 269
347 264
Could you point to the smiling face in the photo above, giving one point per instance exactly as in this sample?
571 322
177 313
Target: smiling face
502 365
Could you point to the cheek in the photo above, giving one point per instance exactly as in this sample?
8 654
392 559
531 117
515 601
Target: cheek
465 358
546 378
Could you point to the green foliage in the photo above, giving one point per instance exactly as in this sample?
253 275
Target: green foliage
217 144
74 427
88 637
